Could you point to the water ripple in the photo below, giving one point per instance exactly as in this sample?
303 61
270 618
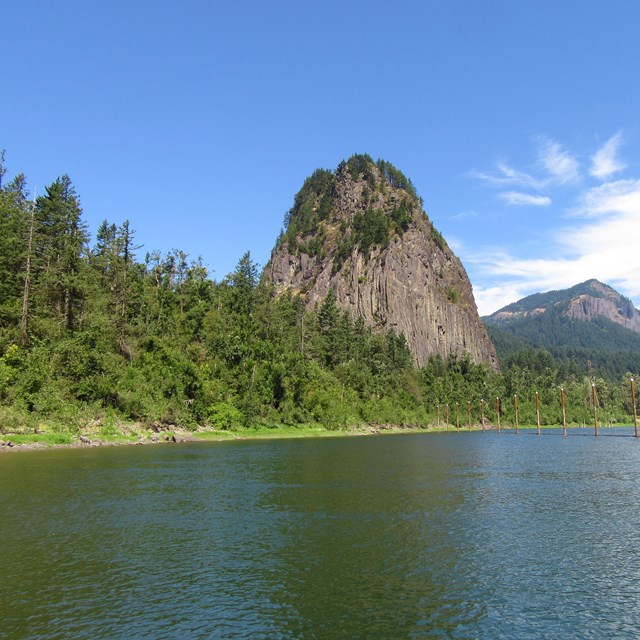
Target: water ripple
459 536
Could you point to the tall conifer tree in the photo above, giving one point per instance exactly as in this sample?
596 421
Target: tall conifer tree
60 243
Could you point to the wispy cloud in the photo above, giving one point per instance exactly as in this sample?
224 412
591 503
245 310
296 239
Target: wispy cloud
525 199
508 176
602 243
467 214
604 162
561 166
555 164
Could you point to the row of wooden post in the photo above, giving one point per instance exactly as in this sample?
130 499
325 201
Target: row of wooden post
594 399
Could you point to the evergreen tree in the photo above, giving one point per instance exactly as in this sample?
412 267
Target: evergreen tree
61 238
14 217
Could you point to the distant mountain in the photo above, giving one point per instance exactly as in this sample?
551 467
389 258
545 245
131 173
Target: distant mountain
587 301
589 323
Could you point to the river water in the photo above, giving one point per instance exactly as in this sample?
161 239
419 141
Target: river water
459 535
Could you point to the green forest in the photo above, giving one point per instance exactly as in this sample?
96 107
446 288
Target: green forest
611 349
99 331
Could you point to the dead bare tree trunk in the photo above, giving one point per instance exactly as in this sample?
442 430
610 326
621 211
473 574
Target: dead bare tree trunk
24 336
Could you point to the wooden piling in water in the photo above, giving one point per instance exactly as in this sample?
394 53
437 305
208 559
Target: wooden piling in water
538 411
564 413
594 397
515 404
498 412
633 402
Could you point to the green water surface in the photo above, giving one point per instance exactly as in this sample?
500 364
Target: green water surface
460 535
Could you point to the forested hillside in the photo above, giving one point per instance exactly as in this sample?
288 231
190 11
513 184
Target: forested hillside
589 325
100 331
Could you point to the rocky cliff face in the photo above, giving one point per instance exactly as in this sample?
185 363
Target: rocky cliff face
608 303
361 231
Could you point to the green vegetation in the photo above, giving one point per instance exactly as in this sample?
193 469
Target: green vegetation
109 339
453 295
395 177
457 380
314 207
438 238
609 348
312 204
92 337
49 439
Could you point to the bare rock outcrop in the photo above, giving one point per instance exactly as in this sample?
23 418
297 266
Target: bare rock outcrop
608 304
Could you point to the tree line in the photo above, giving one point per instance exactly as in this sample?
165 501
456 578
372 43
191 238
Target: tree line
94 330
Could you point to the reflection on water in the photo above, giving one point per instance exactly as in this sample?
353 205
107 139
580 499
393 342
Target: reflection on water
414 536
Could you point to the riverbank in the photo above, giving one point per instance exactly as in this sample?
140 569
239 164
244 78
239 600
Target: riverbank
137 434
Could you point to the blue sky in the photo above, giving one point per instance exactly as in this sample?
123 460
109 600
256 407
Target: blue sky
198 121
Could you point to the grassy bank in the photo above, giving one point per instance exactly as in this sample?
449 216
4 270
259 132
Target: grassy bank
55 435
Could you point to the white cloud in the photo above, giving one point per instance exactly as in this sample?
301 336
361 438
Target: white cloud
561 166
491 299
620 196
604 162
602 243
518 198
